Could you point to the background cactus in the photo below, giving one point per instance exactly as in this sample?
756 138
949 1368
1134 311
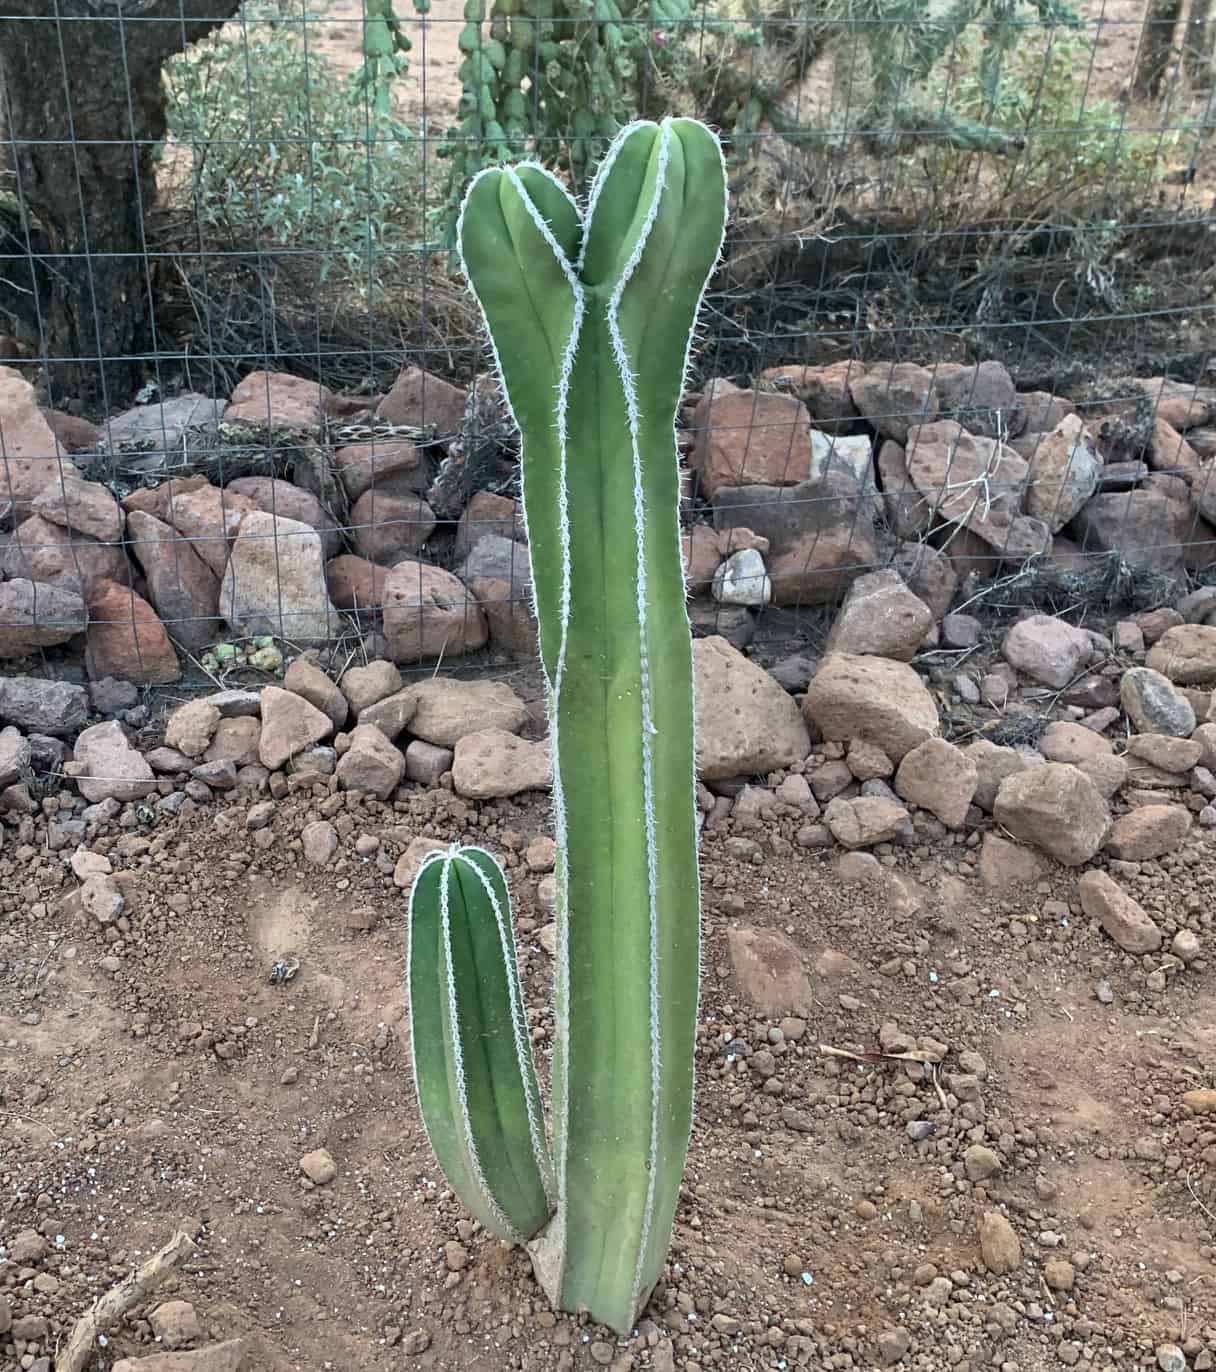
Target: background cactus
591 323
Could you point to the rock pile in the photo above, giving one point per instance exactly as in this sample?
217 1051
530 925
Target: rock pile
796 489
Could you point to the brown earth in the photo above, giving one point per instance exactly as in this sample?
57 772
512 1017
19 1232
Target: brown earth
174 1080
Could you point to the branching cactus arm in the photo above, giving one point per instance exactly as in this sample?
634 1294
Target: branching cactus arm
473 1066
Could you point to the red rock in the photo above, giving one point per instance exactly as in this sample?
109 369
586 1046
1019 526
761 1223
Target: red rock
893 396
378 462
275 400
908 512
387 527
929 574
817 568
1149 831
969 480
746 724
1057 808
492 763
865 820
880 615
1170 452
275 583
1064 473
75 435
487 513
509 617
158 500
1180 404
370 763
184 591
1047 649
751 437
981 397
1103 899
355 583
823 390
1186 654
106 766
939 778
30 458
44 552
210 518
1043 411
309 681
126 639
236 741
272 496
429 613
85 507
33 615
702 552
425 401
289 725
874 699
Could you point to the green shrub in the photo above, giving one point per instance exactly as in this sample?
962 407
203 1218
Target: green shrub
267 145
1072 149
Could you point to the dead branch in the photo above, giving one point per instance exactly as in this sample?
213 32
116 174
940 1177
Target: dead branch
108 1309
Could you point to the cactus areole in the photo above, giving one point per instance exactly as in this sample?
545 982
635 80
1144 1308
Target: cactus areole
590 315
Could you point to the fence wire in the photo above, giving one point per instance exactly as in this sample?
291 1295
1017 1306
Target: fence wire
960 327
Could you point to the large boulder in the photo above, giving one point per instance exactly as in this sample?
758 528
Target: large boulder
746 723
274 582
873 699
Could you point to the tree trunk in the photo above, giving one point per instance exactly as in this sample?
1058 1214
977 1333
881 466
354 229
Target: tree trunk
1156 47
83 108
1198 54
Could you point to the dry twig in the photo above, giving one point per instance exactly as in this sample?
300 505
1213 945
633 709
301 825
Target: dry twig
107 1310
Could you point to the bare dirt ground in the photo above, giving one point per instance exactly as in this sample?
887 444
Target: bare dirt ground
156 1073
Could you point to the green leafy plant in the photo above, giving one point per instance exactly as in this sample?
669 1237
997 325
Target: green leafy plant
1069 145
269 146
590 317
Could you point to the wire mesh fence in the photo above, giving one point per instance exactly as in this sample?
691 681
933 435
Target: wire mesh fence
960 327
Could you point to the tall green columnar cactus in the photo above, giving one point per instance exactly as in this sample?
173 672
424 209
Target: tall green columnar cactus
591 318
